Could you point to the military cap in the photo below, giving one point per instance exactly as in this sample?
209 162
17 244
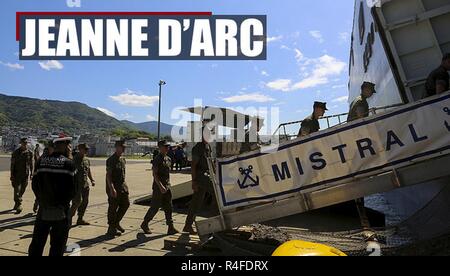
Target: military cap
84 146
320 105
369 85
120 143
163 143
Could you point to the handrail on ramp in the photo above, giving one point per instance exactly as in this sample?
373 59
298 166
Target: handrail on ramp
373 111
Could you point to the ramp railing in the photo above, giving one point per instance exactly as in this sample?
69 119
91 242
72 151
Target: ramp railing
341 119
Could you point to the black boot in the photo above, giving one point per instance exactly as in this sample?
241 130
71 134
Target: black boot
82 222
172 230
19 209
120 228
112 232
189 229
144 227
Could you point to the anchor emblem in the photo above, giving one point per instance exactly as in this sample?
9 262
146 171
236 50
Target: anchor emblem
247 173
447 110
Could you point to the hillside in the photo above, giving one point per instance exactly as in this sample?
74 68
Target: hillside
71 117
151 127
47 115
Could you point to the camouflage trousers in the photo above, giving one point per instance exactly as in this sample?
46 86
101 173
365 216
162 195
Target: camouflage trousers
20 186
80 203
205 186
160 200
117 208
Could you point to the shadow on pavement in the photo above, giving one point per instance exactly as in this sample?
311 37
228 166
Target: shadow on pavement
7 212
141 239
94 241
17 222
29 236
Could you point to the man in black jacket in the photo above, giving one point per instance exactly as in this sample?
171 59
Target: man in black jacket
54 187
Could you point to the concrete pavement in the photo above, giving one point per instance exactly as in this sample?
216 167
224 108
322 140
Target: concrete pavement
16 230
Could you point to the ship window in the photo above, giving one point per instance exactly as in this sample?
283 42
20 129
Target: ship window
362 23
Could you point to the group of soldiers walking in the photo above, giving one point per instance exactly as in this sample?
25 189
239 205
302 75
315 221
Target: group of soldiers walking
359 109
61 184
437 82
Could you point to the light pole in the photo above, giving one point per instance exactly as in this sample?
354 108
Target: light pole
161 83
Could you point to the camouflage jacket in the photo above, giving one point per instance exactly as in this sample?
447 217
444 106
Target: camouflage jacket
82 166
309 125
21 164
358 109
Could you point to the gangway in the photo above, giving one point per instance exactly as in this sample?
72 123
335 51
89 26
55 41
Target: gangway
328 196
395 44
419 164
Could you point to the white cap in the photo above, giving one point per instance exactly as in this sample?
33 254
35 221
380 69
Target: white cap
62 138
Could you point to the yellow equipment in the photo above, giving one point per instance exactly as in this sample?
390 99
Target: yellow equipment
303 248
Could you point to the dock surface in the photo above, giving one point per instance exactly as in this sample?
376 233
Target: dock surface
16 230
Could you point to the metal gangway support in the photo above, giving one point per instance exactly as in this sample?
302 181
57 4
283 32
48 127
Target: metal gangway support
328 196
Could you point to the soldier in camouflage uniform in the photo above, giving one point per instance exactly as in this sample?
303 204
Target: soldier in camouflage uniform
201 182
81 200
311 123
162 194
117 190
37 153
360 107
21 170
439 80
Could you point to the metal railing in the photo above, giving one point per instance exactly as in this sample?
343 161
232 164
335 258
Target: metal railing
372 111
